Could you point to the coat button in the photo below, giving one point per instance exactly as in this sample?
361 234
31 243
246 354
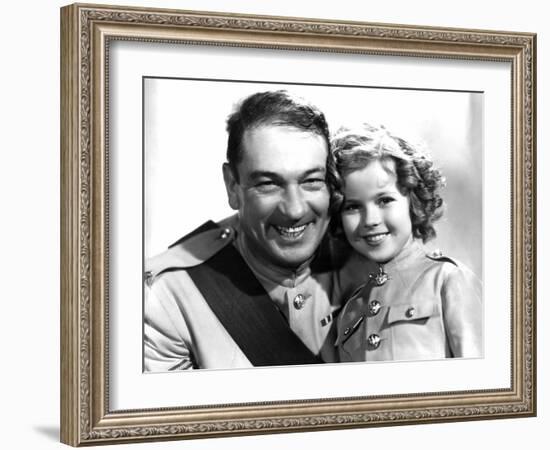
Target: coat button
410 312
226 232
299 301
374 307
373 341
380 278
148 277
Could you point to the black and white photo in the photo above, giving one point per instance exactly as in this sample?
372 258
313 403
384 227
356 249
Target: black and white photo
246 177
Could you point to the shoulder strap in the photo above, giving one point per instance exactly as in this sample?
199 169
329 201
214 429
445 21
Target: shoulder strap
206 226
437 255
191 250
247 312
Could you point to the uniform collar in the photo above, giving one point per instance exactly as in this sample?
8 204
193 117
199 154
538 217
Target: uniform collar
277 275
408 253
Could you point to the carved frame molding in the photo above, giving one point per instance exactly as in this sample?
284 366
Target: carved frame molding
86 31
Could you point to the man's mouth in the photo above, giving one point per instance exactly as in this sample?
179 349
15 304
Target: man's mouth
376 238
291 232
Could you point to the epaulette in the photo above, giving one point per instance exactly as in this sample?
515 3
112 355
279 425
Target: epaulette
191 250
437 255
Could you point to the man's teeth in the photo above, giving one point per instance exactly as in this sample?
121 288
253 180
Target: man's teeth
291 231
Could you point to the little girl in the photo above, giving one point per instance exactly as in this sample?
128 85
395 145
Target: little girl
412 305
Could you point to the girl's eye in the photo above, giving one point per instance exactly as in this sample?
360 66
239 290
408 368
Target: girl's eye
385 200
350 207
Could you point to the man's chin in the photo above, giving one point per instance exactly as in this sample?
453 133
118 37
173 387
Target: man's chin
293 258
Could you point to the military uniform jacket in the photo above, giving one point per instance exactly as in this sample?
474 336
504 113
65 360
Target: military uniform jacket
182 332
418 306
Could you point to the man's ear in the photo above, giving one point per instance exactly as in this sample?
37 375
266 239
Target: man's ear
231 186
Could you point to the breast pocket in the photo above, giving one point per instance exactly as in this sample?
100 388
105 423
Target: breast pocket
416 331
413 313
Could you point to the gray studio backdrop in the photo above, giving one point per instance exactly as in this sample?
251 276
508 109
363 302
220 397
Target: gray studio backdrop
185 142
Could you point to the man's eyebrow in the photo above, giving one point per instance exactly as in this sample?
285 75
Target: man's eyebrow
275 176
314 170
263 174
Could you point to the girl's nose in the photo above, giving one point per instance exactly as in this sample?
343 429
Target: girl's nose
372 216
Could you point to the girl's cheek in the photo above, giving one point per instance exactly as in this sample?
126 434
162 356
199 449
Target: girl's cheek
347 224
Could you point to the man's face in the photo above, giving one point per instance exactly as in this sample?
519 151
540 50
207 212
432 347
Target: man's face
282 195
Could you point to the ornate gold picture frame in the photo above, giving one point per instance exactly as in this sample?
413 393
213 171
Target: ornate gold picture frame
88 416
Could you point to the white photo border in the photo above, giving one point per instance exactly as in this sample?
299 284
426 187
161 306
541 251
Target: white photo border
131 389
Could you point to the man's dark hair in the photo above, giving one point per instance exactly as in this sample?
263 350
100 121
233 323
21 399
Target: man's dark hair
271 108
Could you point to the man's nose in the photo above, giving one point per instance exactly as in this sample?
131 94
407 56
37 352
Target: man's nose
293 204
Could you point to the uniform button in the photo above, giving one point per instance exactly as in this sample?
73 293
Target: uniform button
374 307
148 276
373 341
299 301
410 312
380 278
226 232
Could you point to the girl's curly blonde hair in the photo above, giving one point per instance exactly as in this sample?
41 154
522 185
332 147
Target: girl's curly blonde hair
417 178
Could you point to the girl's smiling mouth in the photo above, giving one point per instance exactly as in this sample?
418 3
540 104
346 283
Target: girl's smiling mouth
375 238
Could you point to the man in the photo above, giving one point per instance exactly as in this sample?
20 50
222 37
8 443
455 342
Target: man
246 292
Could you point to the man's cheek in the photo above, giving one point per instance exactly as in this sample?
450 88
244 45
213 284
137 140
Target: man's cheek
320 204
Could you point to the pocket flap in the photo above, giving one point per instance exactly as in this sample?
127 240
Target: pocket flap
411 311
348 329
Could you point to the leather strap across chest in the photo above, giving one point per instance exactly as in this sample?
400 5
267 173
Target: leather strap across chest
246 311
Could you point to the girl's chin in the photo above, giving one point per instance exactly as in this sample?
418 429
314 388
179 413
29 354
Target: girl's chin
380 257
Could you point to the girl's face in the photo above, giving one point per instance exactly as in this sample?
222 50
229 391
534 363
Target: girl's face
375 215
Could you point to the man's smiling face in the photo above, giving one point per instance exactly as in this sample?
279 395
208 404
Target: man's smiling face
281 193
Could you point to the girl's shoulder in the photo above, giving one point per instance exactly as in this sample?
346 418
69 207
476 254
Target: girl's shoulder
438 256
451 269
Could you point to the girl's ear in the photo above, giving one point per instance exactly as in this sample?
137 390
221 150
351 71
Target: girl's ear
231 186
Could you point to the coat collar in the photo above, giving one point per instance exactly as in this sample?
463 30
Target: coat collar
407 255
277 275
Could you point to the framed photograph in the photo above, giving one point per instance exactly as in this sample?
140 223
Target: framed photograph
276 224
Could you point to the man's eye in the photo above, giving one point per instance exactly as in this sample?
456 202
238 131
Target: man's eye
314 183
266 186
